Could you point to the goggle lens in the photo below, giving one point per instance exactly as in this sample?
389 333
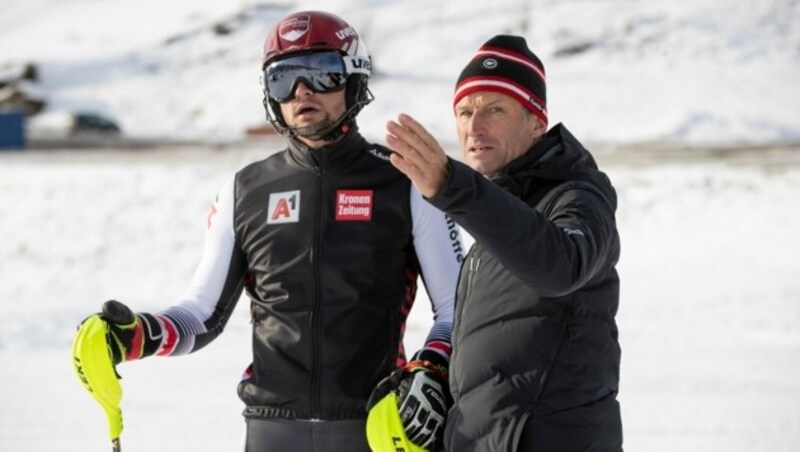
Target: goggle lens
323 72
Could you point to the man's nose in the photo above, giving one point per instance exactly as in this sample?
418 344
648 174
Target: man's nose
476 126
302 90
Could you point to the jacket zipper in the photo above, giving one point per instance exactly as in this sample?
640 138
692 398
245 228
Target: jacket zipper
315 391
472 264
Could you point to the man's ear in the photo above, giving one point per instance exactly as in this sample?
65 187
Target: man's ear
539 127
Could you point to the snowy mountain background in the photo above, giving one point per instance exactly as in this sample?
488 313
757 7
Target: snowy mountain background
710 307
619 71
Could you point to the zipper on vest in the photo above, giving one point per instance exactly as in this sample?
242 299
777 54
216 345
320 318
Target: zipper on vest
472 264
316 321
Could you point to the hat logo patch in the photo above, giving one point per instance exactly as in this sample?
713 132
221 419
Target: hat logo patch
490 63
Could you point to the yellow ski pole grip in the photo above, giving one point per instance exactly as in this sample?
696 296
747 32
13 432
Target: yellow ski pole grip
385 431
92 362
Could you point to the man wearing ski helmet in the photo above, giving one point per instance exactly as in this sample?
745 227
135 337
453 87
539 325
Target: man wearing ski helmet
322 54
328 240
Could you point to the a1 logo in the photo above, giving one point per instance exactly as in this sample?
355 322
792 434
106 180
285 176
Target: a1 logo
284 207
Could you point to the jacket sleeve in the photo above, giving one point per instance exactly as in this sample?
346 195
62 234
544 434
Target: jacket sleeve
554 254
439 248
201 314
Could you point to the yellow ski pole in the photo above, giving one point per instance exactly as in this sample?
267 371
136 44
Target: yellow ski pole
94 367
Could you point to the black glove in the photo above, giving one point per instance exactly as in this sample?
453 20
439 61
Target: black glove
130 336
423 398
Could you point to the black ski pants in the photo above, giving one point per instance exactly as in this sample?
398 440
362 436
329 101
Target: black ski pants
281 435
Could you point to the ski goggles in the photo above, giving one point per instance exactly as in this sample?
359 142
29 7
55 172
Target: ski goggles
322 72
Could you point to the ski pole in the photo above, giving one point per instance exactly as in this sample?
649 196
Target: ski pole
94 367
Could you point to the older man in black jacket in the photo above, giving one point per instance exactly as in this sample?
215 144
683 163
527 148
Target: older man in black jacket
535 363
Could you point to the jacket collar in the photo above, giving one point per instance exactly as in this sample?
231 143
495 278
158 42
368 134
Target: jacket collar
338 154
558 156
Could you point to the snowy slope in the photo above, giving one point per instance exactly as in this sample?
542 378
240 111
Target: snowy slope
709 313
619 71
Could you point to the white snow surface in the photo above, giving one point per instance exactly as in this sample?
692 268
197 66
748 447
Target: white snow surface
710 306
709 314
700 72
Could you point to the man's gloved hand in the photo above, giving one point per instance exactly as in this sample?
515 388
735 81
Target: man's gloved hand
423 398
130 336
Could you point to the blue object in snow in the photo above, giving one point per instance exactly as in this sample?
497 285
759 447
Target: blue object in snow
12 130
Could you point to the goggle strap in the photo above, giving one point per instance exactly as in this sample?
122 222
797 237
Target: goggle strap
356 65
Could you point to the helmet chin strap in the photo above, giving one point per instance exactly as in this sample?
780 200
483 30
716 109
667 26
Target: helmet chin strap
328 132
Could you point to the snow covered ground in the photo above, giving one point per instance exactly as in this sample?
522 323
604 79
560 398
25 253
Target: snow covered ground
709 318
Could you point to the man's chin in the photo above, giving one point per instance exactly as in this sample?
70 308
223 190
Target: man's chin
315 131
483 166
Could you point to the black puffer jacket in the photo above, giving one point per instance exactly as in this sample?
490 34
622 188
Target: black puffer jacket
535 341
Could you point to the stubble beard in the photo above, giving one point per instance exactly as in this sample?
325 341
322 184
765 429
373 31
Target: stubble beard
317 130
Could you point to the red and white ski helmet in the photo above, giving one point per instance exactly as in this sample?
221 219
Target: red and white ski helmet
316 30
308 31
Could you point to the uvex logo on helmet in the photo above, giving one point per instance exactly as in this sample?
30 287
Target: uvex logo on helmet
294 28
345 33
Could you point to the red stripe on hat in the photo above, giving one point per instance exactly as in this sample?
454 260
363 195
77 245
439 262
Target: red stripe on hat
513 56
503 86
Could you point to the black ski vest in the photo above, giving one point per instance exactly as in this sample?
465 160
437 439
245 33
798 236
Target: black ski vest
331 272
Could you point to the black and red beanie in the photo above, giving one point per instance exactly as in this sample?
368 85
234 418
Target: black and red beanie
505 64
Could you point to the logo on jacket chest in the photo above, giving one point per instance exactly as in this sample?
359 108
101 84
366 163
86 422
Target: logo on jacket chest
284 207
353 205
